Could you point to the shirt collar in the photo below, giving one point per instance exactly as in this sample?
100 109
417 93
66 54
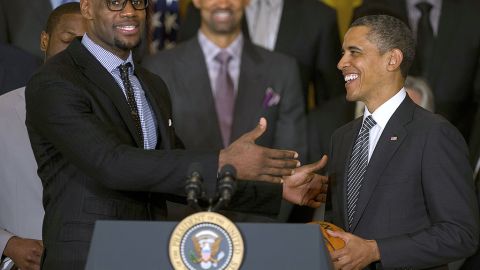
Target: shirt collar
383 113
435 3
108 60
272 3
210 49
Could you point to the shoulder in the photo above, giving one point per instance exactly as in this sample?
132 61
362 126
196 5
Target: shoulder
274 60
164 61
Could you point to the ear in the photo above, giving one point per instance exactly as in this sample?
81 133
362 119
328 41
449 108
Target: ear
395 59
85 9
44 39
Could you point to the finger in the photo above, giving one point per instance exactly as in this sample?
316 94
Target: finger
282 163
280 154
277 172
315 166
321 198
255 133
342 235
313 204
270 179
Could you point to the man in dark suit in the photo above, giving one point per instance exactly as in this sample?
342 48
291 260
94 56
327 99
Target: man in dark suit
267 84
105 145
453 68
401 180
308 32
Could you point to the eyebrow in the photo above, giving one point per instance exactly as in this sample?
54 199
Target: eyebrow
353 48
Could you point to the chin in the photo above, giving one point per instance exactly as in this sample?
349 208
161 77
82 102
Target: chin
127 45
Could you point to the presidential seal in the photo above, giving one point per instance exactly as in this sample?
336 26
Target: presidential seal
206 240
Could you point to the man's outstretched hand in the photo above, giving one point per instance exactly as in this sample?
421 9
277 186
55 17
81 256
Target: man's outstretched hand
255 162
305 187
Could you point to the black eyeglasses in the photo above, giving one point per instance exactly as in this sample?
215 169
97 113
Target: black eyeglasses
117 5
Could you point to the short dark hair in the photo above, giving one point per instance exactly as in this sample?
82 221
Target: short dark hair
389 33
56 14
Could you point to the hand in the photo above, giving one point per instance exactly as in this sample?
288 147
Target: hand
357 253
255 162
305 187
25 253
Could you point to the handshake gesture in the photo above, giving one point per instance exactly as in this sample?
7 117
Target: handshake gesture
300 184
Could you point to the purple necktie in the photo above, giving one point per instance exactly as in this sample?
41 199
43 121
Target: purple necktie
224 96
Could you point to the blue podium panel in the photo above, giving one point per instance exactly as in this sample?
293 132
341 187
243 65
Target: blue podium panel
144 245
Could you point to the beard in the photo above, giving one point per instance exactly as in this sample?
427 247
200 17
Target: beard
127 45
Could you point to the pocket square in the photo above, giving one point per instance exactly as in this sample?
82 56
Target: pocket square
271 98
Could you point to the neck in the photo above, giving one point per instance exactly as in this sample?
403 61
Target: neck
221 40
383 95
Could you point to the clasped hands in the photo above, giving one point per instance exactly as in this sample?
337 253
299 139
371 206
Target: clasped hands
300 184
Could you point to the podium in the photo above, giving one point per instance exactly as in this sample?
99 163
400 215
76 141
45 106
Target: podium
145 245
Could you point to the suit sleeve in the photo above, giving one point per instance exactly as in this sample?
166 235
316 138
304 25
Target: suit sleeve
63 116
449 197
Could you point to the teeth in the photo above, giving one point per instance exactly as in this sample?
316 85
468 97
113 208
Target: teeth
350 77
127 27
222 14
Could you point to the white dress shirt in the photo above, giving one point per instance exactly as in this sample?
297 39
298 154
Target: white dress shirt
381 115
263 18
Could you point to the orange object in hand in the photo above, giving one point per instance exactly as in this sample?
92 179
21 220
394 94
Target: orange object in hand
332 243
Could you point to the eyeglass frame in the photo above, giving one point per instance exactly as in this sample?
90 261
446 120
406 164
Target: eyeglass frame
125 4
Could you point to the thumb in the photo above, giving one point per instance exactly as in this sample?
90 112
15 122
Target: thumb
339 234
255 133
316 166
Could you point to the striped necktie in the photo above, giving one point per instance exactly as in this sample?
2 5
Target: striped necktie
357 167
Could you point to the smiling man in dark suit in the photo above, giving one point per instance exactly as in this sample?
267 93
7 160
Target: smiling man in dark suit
105 145
400 175
264 84
452 66
306 30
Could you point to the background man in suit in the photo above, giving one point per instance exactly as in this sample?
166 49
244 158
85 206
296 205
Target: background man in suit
307 30
265 84
21 22
21 193
402 184
451 65
102 135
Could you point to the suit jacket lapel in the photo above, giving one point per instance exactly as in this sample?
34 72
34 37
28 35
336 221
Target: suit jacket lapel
196 82
344 156
100 77
384 151
448 23
248 102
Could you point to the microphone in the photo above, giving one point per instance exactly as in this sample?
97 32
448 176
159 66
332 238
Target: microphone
226 184
193 185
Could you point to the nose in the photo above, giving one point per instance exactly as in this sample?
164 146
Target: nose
128 11
343 62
